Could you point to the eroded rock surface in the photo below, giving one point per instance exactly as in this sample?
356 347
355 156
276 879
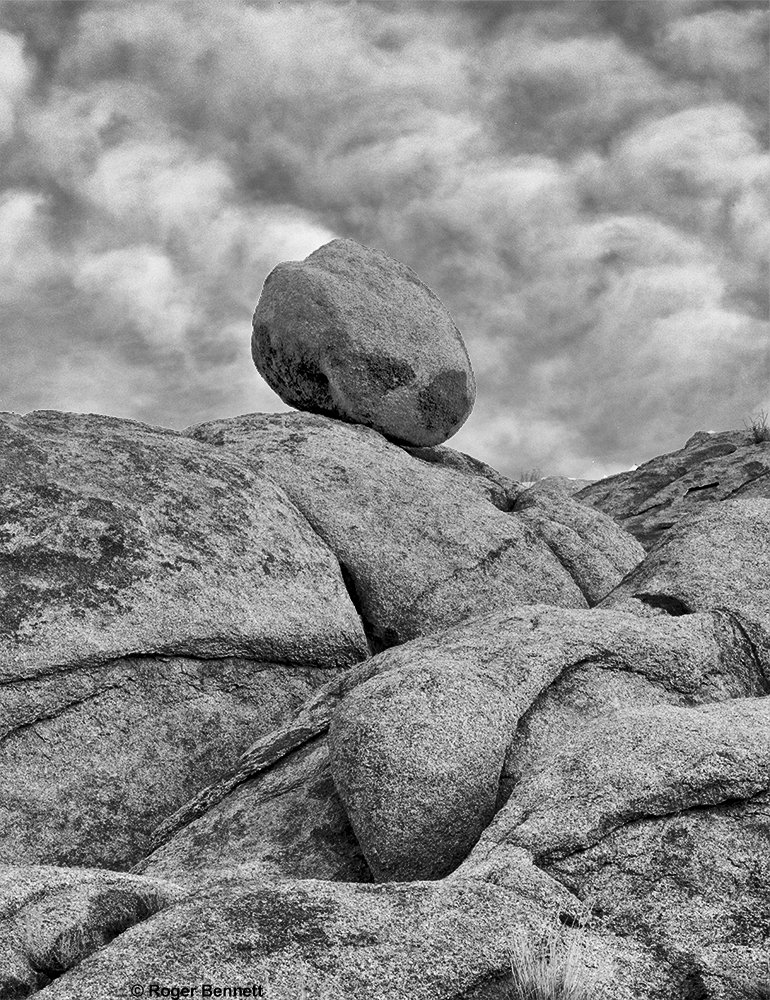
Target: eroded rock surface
285 821
425 732
417 941
53 918
352 333
417 750
717 559
162 606
94 759
384 833
421 549
592 547
121 539
692 885
658 494
633 763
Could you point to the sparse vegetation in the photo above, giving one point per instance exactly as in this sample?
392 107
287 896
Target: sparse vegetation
758 427
552 966
53 938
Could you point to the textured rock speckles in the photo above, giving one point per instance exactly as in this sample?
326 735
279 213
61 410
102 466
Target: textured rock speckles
352 333
710 468
118 538
424 548
53 918
719 558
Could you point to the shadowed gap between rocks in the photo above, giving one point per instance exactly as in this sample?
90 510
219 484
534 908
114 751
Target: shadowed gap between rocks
665 602
49 951
373 641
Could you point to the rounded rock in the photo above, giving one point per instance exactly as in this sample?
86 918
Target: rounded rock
351 333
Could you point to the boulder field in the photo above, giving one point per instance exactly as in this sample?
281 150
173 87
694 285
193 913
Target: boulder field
312 705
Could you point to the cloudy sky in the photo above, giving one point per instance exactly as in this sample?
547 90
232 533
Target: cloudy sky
585 184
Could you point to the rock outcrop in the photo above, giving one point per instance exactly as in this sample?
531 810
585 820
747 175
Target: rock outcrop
421 548
587 543
162 606
717 559
121 539
420 941
658 494
53 918
352 333
358 711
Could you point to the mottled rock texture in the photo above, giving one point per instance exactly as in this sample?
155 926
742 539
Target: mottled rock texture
649 500
719 558
424 733
352 333
692 885
121 539
418 750
53 918
285 820
332 941
591 546
632 763
95 758
424 543
161 607
186 686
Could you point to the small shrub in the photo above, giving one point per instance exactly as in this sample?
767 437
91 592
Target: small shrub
551 967
758 427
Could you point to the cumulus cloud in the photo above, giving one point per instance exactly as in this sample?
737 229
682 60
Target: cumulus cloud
584 184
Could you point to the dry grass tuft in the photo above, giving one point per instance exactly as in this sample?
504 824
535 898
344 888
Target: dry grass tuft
758 427
550 967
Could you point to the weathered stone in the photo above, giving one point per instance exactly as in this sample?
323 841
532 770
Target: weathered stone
93 759
422 550
417 750
53 918
284 822
592 547
621 661
161 607
333 941
654 497
632 764
350 332
271 749
660 818
692 886
717 559
120 539
480 477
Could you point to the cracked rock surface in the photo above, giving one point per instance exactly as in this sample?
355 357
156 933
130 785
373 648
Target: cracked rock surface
161 606
422 544
719 558
652 498
52 918
357 716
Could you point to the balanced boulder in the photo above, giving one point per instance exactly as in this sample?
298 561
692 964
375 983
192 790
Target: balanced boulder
351 333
